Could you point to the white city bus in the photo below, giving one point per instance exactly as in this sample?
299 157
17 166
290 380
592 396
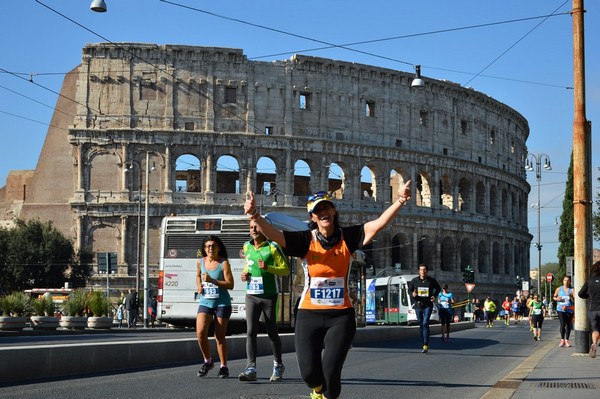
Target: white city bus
181 240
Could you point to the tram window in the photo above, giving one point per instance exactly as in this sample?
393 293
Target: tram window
404 296
394 299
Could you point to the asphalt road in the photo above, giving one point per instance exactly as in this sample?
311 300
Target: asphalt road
466 367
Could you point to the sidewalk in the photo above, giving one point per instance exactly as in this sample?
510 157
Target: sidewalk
550 373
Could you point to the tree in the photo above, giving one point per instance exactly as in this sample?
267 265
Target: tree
35 254
566 235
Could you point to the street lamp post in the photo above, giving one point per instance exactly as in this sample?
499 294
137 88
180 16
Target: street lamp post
148 169
146 235
529 166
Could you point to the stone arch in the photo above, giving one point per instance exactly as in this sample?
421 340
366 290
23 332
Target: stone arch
507 259
464 195
302 173
104 166
266 177
104 237
425 251
466 253
480 198
423 190
493 200
446 192
504 204
228 175
447 254
482 257
401 251
367 183
398 178
336 180
188 177
496 258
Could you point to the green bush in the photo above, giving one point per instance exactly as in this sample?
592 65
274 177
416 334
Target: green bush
15 304
98 303
76 304
43 306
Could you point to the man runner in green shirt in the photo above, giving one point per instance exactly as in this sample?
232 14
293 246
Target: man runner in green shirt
264 261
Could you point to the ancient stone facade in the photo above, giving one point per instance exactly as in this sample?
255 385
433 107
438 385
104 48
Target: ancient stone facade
464 152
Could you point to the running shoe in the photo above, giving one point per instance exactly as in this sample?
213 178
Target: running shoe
315 395
561 343
593 351
206 367
535 337
567 343
277 373
425 349
223 372
248 375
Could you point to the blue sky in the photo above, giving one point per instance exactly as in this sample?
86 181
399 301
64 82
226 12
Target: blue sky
505 49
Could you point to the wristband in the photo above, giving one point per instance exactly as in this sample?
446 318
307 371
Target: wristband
253 213
214 281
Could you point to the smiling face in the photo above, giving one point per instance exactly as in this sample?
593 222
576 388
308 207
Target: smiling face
323 215
422 271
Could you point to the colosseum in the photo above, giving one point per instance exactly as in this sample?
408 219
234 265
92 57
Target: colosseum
208 118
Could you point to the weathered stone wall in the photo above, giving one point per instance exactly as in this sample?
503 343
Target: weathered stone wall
463 150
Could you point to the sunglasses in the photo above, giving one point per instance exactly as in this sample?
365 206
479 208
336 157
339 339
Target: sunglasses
319 195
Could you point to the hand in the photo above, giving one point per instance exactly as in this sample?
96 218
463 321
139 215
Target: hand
404 192
249 205
261 265
206 278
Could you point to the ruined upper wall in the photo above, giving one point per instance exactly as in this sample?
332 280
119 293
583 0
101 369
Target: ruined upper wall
210 89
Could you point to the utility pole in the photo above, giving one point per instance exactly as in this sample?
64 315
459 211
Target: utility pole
582 204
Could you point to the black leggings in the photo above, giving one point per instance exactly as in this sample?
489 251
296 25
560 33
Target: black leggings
323 339
254 307
565 324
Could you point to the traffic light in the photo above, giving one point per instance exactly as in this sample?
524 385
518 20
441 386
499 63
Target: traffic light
469 275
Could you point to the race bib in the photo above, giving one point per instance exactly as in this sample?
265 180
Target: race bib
444 304
327 291
537 312
210 291
255 286
423 291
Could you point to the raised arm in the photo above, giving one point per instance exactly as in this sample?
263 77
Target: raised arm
266 228
375 226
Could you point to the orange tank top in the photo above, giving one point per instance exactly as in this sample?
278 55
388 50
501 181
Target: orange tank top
326 277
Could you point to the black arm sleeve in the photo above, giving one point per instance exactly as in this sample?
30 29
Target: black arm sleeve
583 292
297 242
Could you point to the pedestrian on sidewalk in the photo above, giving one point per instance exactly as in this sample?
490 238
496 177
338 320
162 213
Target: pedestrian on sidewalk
563 296
538 312
264 261
591 291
